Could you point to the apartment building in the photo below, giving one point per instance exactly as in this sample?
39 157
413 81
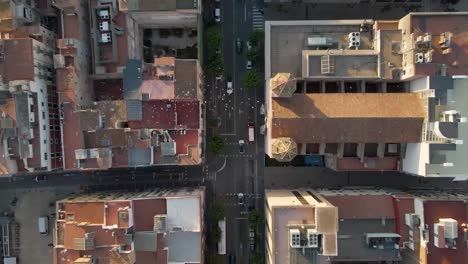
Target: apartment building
125 112
357 93
30 138
436 228
300 227
157 226
372 226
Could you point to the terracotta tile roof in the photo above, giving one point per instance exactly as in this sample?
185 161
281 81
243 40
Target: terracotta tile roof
156 114
436 25
363 206
72 136
18 65
105 138
433 211
91 212
184 141
158 89
188 114
144 211
348 118
112 216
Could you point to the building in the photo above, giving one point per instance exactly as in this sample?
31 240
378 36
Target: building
30 134
125 112
436 227
366 93
301 226
159 226
372 226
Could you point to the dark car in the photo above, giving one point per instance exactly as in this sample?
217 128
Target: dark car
41 178
239 45
232 259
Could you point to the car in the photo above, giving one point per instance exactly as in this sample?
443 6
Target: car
41 178
241 146
229 85
252 239
249 65
240 198
249 45
217 14
239 45
232 259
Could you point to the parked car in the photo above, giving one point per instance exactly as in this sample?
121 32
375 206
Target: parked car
217 14
241 146
249 45
43 225
229 88
240 198
41 178
249 65
239 45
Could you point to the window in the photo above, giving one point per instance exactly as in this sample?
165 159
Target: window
45 141
43 115
45 155
42 103
43 127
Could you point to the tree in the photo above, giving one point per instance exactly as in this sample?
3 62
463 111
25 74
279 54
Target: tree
216 232
257 36
255 218
216 144
215 65
256 258
217 211
214 37
251 80
252 55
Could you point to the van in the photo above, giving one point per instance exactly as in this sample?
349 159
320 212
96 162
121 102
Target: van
217 15
43 224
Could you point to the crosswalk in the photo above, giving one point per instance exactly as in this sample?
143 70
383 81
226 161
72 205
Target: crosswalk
236 155
258 22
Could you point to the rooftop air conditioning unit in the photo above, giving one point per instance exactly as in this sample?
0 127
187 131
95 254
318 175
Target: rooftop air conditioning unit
313 238
419 39
295 238
419 58
427 38
450 227
428 56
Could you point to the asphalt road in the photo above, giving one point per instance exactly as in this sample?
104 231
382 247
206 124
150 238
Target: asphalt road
114 179
239 173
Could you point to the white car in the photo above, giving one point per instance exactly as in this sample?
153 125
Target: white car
217 15
229 89
249 65
249 45
240 198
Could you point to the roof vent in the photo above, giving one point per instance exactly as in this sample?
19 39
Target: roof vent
419 58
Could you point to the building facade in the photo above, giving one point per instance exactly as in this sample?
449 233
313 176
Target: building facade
367 95
159 226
